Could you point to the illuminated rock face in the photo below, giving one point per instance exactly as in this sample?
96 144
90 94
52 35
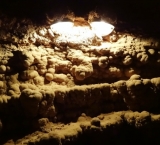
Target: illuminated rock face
44 79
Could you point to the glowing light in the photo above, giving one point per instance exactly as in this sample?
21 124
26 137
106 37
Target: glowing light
102 28
67 32
62 27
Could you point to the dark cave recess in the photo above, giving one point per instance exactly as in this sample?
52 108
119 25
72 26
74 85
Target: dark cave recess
127 9
127 14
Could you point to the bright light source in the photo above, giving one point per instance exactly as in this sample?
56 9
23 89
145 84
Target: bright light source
67 32
62 27
102 28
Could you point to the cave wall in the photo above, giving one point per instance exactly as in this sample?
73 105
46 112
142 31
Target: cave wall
46 79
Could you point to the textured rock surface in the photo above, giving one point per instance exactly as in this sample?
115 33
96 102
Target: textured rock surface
104 128
45 80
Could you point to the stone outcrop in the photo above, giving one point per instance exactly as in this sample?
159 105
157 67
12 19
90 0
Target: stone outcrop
45 79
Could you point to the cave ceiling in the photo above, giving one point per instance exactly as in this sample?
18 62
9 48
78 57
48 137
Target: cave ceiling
143 14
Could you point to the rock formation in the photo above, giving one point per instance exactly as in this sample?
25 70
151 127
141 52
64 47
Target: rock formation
48 79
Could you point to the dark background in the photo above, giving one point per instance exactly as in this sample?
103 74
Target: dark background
142 13
127 9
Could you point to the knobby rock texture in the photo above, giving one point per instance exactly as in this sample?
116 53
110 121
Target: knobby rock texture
58 91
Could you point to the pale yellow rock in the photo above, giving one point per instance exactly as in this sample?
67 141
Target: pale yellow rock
4 99
43 31
1 84
42 40
29 74
60 78
75 55
44 59
4 62
49 76
23 87
39 80
127 60
156 82
32 87
103 61
63 65
52 60
113 71
2 68
135 77
15 88
142 57
51 34
27 58
151 51
37 59
51 70
41 65
94 60
42 71
82 71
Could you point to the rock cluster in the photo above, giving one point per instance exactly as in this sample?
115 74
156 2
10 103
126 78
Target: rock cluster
110 124
42 76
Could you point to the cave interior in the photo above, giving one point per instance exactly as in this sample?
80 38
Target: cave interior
73 84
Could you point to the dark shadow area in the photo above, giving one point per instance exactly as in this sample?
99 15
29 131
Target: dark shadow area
130 10
127 14
17 129
126 135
